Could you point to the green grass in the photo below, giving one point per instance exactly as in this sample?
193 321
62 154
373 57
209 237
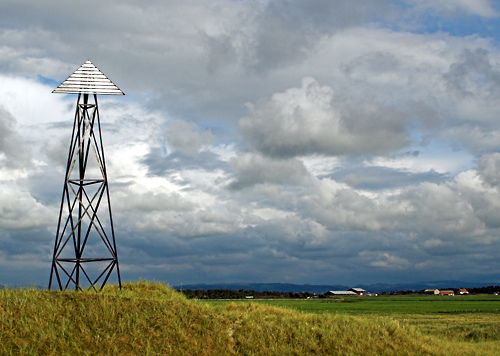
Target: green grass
389 305
460 318
152 319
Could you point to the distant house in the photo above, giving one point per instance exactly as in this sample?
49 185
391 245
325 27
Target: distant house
339 292
446 292
463 291
431 291
358 291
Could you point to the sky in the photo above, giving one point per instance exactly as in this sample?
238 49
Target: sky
308 142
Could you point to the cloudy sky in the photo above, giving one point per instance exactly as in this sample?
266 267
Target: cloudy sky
319 141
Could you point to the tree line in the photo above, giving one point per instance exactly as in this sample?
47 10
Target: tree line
242 294
484 290
245 293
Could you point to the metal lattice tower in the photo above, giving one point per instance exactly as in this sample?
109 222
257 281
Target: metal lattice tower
85 247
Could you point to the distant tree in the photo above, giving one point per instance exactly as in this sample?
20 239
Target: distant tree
242 294
484 290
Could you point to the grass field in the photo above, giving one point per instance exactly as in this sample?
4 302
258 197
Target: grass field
462 318
388 305
152 319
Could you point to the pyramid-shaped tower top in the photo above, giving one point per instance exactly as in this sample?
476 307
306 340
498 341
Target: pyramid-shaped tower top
88 79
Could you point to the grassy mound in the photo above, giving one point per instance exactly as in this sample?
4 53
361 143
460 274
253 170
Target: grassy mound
152 319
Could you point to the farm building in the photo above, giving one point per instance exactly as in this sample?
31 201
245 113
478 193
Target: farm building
358 291
339 292
352 291
463 291
446 292
431 291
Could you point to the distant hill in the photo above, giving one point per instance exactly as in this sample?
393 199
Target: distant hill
261 287
314 288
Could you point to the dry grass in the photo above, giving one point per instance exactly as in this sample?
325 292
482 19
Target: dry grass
152 319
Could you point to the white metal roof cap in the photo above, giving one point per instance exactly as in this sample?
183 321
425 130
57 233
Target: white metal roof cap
88 79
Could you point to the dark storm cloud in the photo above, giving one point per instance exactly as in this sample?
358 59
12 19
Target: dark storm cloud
376 178
288 30
484 8
17 241
474 74
159 163
473 80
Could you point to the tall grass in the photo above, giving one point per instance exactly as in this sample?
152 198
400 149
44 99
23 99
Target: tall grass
152 319
461 318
